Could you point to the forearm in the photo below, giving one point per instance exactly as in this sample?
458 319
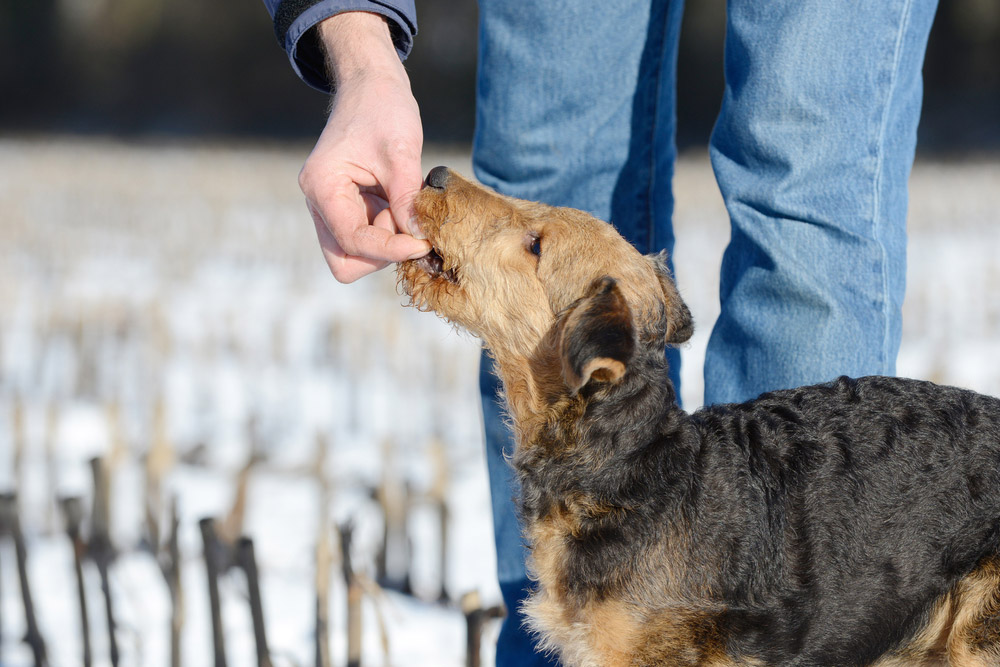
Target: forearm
358 44
296 21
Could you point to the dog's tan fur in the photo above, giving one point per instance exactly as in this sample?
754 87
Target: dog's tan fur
962 627
503 299
521 307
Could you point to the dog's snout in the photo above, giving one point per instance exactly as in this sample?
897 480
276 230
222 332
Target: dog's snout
437 178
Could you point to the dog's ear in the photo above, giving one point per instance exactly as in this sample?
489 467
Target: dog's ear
597 338
680 325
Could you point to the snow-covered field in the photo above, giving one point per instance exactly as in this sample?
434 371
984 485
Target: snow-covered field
171 299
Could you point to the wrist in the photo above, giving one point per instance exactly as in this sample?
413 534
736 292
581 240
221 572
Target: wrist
357 44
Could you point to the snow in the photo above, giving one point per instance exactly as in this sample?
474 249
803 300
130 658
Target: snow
175 293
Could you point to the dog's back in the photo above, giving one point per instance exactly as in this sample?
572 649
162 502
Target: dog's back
836 517
851 523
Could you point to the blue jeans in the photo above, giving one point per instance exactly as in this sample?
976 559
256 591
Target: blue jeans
812 151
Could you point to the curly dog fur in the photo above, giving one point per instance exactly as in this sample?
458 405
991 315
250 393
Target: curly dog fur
850 523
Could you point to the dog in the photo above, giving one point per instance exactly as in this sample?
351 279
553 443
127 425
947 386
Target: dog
850 523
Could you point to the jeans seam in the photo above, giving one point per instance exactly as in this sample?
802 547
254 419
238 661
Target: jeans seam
877 222
651 241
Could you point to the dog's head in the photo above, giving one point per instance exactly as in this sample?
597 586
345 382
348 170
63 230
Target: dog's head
519 274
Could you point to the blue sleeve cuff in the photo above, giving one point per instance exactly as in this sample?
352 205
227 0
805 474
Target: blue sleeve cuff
294 21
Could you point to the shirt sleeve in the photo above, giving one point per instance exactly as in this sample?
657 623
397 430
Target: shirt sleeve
294 21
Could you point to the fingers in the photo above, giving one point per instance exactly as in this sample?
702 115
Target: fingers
353 248
404 182
344 268
349 214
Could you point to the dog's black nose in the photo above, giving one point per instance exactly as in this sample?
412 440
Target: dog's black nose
438 178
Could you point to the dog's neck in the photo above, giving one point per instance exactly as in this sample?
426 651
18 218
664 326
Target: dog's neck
585 464
533 389
595 429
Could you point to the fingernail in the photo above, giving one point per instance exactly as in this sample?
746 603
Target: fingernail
414 226
418 255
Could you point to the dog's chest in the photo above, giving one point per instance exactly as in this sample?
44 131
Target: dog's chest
634 617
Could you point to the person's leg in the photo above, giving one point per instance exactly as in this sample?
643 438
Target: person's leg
575 107
515 646
812 152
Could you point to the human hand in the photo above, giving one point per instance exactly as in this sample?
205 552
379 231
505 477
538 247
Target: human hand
364 172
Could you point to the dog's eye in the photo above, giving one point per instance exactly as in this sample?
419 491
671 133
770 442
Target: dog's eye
535 246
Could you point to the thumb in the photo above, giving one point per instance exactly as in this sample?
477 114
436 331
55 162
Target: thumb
401 191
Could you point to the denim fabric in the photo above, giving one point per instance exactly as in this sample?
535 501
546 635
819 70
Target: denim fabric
515 646
575 107
812 151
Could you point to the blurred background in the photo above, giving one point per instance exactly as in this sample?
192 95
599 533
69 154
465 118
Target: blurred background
150 67
208 447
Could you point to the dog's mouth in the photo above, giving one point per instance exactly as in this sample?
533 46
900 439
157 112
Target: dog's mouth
436 275
433 264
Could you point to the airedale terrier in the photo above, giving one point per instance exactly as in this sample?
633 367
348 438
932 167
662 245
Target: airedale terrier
850 523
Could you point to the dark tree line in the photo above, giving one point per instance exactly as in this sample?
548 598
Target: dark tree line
186 67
